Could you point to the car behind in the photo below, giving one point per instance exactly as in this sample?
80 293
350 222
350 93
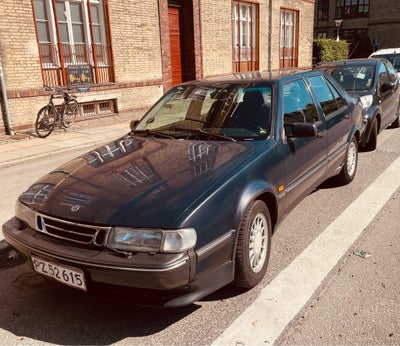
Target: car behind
391 54
188 200
375 81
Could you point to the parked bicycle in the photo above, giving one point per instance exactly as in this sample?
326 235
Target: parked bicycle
62 115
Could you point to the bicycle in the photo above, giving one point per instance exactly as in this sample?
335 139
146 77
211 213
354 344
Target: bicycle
63 115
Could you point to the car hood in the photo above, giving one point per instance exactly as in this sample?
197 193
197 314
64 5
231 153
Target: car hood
141 182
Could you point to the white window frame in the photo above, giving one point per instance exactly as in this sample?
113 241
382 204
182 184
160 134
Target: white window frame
244 17
51 22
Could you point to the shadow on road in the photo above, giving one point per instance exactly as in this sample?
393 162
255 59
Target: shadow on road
36 308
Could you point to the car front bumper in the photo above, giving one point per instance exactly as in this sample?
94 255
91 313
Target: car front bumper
168 280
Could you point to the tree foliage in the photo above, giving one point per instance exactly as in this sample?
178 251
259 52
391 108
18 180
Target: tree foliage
326 50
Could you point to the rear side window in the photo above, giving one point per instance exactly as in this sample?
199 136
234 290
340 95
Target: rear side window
393 58
328 97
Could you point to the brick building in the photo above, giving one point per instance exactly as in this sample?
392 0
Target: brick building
130 52
367 25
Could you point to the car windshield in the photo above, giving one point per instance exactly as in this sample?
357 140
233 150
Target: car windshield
393 58
222 112
354 78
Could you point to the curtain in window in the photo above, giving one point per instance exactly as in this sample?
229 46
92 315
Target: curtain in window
245 36
288 52
73 41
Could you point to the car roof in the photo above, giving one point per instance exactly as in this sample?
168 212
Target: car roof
257 76
351 62
386 51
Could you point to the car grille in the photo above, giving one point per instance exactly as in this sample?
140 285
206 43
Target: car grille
71 231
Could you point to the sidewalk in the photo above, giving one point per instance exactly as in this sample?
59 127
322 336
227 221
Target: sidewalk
26 145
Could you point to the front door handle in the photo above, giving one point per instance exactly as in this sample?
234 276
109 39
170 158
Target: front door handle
321 134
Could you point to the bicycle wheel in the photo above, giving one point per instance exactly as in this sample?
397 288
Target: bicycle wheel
70 112
45 121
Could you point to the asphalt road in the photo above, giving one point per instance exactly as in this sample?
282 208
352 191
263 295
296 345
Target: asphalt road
316 291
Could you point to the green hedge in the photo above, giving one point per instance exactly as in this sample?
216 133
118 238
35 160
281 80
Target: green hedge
326 50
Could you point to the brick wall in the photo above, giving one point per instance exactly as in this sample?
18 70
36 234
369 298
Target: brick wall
140 50
18 46
217 34
136 40
384 22
216 37
136 50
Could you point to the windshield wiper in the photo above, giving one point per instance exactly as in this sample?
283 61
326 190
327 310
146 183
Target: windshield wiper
209 134
154 133
215 135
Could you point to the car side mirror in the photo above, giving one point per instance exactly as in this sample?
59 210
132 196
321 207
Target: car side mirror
300 130
387 86
133 124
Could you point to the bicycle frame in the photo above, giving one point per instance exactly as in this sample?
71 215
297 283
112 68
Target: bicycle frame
59 109
61 115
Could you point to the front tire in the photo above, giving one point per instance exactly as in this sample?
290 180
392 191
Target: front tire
45 121
253 246
349 168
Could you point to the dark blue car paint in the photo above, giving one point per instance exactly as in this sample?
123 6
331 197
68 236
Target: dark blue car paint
279 170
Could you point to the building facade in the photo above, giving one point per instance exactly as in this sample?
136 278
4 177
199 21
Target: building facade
121 56
368 25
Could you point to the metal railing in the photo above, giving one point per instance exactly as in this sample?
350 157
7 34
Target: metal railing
57 60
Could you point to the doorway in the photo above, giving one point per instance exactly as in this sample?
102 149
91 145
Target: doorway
175 44
183 62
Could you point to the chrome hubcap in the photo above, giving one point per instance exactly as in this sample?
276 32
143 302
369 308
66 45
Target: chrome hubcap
258 242
351 159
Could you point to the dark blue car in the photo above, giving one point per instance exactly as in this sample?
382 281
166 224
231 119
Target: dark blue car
187 202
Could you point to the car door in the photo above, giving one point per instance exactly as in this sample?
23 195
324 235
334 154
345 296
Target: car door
337 118
304 158
388 98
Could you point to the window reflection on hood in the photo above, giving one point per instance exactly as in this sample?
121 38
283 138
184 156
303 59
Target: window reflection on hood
37 194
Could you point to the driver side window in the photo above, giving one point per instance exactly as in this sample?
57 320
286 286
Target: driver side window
298 106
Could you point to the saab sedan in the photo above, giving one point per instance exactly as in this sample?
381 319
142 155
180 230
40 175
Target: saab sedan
188 200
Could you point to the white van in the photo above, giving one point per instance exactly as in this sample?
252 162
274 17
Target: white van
392 54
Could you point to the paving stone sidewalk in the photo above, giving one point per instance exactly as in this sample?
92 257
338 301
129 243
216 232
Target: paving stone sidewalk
26 145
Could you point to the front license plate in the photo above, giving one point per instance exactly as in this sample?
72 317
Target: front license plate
70 276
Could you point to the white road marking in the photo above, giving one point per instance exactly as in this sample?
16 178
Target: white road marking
280 301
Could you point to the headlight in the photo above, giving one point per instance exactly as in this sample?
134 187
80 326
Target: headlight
366 101
150 240
25 214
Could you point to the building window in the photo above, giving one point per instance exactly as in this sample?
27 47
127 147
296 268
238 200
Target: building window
289 33
323 9
245 36
352 8
73 42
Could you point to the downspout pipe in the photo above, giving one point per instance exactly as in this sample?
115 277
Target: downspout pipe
270 36
4 104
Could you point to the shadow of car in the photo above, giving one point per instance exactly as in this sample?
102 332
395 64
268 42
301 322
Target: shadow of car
187 202
376 82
